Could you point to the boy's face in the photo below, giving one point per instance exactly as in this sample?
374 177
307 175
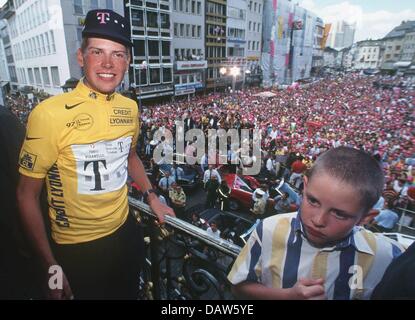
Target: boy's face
330 209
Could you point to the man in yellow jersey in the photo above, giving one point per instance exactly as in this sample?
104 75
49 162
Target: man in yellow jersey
83 145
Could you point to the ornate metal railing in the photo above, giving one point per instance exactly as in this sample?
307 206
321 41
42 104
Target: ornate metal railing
182 261
406 220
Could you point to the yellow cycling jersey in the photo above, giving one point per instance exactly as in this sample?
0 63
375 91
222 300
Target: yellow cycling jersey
80 142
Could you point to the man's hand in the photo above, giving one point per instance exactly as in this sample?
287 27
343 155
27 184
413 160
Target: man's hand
60 294
159 209
309 289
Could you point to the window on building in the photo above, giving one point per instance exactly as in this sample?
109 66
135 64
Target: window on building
45 76
181 30
109 4
165 48
199 31
184 78
199 8
47 42
193 31
78 6
154 75
176 29
55 76
52 41
37 76
30 73
139 48
152 19
254 6
42 42
153 48
181 5
174 5
398 48
259 8
137 18
165 20
167 75
94 4
249 25
141 76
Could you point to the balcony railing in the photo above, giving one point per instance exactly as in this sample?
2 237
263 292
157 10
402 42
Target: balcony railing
182 261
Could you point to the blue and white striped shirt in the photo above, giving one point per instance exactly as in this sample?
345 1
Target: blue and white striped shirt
277 254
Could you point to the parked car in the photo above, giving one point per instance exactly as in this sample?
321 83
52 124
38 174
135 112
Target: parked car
233 227
191 178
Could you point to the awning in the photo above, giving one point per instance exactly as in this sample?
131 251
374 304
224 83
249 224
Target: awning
402 64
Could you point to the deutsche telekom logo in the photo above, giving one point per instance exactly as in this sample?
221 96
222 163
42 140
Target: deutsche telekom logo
102 16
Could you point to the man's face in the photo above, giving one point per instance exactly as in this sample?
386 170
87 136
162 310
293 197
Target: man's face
105 63
330 209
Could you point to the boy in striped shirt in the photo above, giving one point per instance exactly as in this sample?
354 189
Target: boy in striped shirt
321 251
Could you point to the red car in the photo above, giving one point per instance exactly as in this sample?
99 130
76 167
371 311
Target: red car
242 188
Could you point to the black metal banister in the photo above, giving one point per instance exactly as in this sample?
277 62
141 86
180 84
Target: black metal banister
221 244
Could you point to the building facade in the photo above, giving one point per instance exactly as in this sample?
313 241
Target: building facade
368 54
44 36
318 46
253 47
215 41
151 70
188 46
341 35
394 43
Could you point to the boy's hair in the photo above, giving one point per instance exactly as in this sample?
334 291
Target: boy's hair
354 167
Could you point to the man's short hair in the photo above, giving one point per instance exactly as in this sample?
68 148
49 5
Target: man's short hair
354 167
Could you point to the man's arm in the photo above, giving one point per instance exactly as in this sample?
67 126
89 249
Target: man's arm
137 172
28 193
304 289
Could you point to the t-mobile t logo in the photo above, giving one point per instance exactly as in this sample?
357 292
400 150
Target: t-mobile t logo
101 16
97 175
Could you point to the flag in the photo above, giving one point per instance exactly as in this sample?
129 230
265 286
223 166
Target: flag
280 27
298 25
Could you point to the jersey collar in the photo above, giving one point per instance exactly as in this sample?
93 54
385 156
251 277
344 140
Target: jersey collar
92 94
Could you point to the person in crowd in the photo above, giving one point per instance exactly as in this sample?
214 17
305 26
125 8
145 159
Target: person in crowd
224 193
178 200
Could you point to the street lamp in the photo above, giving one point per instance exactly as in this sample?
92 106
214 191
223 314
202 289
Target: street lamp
235 71
222 71
143 66
247 72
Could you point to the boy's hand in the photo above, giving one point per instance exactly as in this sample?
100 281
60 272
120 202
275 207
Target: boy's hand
309 289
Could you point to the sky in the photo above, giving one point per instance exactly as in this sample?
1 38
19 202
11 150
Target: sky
374 18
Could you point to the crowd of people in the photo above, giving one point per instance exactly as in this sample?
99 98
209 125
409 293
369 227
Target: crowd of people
374 114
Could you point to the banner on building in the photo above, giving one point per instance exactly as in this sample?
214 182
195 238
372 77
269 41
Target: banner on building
326 32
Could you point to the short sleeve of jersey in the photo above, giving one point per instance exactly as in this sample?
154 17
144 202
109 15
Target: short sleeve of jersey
40 149
137 132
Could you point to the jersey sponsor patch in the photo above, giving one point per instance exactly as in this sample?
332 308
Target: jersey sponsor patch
102 166
121 121
27 160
